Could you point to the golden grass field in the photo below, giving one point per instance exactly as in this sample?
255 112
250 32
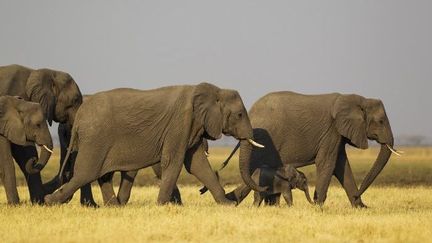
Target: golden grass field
400 210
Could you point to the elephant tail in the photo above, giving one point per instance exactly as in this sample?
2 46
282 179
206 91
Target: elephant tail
204 189
69 151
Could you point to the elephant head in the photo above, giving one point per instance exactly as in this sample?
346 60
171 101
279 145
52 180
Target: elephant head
221 111
358 119
296 179
57 93
22 121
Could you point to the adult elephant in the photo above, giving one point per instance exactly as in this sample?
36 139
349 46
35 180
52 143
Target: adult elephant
302 129
143 128
59 97
20 122
86 197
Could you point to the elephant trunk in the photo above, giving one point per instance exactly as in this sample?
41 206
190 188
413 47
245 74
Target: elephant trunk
244 164
32 167
306 191
381 161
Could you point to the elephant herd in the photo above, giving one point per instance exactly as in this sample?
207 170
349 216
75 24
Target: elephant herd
167 128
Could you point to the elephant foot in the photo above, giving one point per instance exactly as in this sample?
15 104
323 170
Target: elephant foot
176 201
89 203
113 202
13 203
357 203
38 200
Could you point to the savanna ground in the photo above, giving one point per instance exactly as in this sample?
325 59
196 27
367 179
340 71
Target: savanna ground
400 210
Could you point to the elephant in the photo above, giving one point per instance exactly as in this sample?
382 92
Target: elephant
20 122
86 198
301 130
279 181
145 127
59 97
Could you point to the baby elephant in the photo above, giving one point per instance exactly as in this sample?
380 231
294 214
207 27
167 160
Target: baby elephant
280 181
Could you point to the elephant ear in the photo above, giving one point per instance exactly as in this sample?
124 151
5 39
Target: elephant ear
11 125
40 88
350 121
207 109
287 172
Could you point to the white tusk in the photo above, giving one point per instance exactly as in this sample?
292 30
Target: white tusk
393 151
45 147
206 153
255 143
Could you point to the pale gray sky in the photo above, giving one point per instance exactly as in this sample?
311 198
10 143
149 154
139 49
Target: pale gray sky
380 49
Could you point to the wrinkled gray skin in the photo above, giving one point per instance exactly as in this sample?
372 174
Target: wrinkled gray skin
59 97
86 198
313 129
128 177
143 128
280 181
20 122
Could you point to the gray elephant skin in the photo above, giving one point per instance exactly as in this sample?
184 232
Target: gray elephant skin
128 178
143 128
59 97
86 197
279 181
20 122
302 129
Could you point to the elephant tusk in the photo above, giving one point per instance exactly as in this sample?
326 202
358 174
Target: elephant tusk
255 143
206 153
45 147
394 151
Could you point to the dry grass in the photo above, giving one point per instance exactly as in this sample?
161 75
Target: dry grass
395 215
400 211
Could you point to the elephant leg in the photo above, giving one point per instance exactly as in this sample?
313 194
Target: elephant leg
170 175
8 172
272 200
345 176
126 183
287 195
198 165
257 199
86 170
175 195
239 194
86 196
67 190
325 163
21 155
108 194
171 166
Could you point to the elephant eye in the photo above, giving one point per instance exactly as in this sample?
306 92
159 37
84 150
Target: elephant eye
240 115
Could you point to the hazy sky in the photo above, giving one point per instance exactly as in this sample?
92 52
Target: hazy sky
375 48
